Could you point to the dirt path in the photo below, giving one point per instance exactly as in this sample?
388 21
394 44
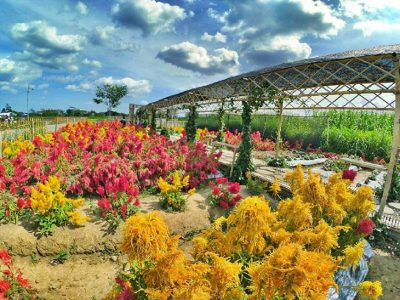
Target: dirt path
386 268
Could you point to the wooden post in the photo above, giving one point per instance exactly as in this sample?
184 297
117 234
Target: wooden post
395 141
233 161
131 113
279 133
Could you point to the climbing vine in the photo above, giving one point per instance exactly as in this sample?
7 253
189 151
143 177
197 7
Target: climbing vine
256 99
153 123
221 122
190 126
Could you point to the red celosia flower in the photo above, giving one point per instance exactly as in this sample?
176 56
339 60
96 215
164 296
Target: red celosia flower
20 203
349 174
216 190
233 187
104 204
22 281
7 272
124 208
224 204
100 191
222 180
4 286
5 257
365 226
137 202
237 198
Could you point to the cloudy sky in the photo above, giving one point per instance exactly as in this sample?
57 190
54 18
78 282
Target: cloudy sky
65 48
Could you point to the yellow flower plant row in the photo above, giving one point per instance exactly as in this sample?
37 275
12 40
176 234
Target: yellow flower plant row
254 253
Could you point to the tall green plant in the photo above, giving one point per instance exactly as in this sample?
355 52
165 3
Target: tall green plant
221 122
190 125
243 163
153 123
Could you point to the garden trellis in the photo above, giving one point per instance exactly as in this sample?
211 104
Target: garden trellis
358 80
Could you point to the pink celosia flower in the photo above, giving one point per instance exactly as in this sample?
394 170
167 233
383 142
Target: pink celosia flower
365 226
349 174
233 187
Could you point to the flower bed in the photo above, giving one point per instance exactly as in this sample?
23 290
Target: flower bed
96 160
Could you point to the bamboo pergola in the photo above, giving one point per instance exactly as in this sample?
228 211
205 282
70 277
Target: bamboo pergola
366 79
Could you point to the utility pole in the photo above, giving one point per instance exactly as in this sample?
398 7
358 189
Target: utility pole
28 90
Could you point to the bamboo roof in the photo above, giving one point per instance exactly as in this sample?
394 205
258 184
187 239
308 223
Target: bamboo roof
357 79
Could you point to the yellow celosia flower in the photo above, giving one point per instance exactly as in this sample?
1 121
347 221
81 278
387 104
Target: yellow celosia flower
370 289
249 224
276 187
295 178
77 218
192 191
223 276
353 255
292 272
295 214
146 236
174 277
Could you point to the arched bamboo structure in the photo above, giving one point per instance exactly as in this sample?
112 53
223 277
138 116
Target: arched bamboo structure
366 79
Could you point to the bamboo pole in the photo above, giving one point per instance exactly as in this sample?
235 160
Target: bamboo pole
395 141
279 133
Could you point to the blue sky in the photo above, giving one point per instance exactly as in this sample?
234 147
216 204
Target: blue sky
65 48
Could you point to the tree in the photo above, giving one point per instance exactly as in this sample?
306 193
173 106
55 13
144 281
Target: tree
110 95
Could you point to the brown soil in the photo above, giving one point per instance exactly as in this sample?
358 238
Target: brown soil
79 277
386 268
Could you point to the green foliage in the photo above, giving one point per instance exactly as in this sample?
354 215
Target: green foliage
153 123
335 165
280 162
221 123
254 185
190 125
173 201
243 163
110 95
394 192
60 258
370 144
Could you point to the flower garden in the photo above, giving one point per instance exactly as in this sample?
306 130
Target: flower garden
153 217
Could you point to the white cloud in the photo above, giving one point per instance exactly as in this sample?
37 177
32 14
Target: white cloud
371 27
150 16
360 8
218 37
101 35
41 39
92 63
214 14
274 29
278 49
126 46
42 86
82 87
63 79
18 72
134 86
44 46
82 8
195 58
